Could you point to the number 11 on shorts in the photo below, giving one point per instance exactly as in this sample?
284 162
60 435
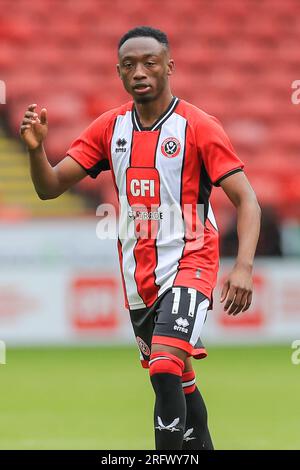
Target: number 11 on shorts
177 293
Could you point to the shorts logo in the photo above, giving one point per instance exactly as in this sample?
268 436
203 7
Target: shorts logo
143 346
181 325
170 147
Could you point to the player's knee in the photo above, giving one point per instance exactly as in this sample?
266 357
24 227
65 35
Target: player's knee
163 365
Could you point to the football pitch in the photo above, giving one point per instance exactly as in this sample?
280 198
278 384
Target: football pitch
101 398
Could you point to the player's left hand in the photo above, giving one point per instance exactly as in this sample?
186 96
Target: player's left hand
237 290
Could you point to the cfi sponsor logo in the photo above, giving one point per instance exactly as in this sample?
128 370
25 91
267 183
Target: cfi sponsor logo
144 348
170 147
181 325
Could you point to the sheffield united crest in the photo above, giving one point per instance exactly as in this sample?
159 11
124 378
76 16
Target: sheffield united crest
170 147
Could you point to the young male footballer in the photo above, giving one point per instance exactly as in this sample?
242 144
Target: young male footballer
165 155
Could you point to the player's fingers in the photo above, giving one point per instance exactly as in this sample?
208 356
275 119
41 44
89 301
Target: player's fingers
224 291
248 303
241 302
31 114
43 116
24 127
236 301
28 121
230 297
32 107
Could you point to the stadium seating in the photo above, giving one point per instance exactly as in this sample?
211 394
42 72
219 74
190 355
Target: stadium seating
235 60
18 199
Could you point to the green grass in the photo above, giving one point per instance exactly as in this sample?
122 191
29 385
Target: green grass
100 398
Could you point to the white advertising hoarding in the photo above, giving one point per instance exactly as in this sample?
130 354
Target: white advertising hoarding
60 284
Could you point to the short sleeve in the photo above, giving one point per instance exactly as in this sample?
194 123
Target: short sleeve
90 149
218 155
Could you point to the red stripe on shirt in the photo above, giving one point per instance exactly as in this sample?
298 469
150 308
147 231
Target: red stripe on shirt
143 155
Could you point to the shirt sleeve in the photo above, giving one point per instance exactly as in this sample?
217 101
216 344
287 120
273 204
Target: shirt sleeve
90 149
218 155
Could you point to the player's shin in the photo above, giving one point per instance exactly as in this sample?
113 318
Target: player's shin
170 406
196 435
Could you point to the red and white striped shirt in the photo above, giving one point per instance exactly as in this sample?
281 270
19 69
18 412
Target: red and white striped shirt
172 164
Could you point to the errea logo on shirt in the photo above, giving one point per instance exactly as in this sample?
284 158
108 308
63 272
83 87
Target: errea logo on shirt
121 145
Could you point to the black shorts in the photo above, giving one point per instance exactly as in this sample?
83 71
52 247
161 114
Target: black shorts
175 319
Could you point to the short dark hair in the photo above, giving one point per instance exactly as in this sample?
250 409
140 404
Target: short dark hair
145 31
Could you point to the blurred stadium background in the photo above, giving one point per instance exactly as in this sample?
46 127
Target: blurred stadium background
72 378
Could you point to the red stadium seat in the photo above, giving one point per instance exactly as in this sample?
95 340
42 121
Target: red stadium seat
234 60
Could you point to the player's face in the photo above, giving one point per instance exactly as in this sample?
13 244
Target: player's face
144 67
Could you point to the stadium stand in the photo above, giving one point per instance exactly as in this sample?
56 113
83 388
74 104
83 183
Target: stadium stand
236 60
18 199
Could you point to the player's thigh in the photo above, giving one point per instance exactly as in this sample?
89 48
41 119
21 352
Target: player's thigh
142 321
188 367
161 348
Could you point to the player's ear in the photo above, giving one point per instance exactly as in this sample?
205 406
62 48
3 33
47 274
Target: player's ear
171 66
118 70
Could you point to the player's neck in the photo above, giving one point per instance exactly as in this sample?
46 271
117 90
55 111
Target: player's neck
150 112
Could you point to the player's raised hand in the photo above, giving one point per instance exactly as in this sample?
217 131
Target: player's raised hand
34 128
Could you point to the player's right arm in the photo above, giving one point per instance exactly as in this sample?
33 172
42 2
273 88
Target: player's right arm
49 182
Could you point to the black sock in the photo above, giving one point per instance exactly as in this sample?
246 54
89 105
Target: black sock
196 436
169 411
